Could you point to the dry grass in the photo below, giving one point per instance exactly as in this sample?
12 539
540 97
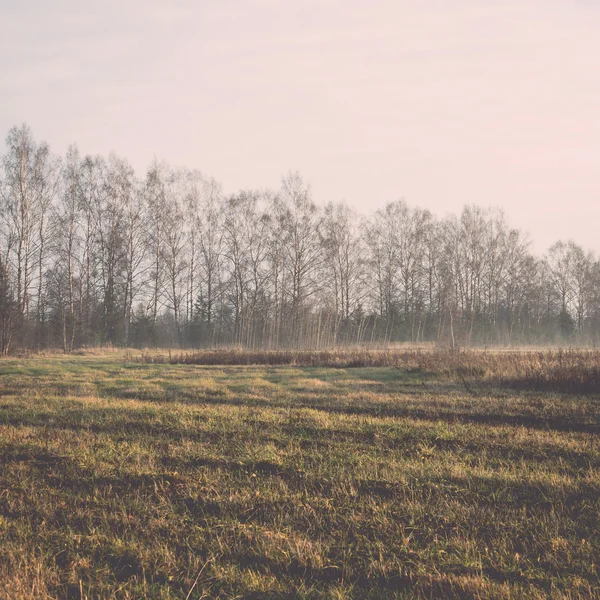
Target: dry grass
576 371
122 479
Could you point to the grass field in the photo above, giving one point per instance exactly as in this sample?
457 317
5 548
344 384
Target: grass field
125 478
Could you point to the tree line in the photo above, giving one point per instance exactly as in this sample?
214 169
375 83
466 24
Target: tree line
90 254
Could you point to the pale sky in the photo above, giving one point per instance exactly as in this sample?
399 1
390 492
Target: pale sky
489 102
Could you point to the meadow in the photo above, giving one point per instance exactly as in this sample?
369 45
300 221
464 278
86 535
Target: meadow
414 474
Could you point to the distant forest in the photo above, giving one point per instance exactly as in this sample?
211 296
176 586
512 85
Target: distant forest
91 255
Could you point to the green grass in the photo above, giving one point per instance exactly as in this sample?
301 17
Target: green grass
134 480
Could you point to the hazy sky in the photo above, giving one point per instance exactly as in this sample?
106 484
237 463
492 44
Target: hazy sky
493 102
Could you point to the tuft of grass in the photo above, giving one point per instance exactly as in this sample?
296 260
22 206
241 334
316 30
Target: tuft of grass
123 479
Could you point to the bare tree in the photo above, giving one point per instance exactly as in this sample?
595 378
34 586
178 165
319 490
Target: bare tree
245 248
301 222
66 240
30 183
173 247
156 202
135 213
211 235
344 264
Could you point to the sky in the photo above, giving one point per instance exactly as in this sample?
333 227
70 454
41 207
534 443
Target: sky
488 102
